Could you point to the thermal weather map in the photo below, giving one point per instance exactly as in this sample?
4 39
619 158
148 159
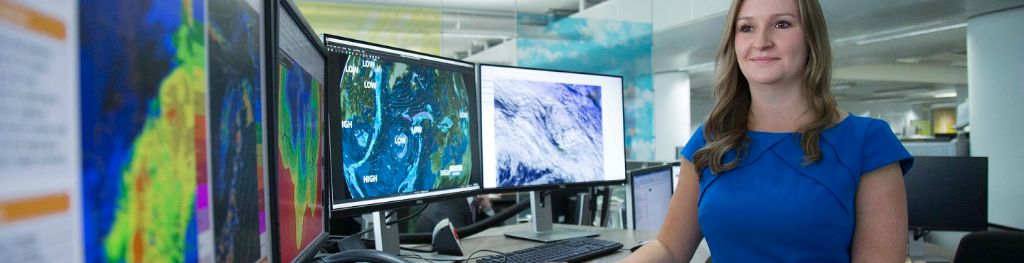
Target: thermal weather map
405 127
143 107
299 152
237 206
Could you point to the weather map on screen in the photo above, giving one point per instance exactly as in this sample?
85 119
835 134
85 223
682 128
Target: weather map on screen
405 127
546 128
143 129
299 152
236 133
550 132
299 156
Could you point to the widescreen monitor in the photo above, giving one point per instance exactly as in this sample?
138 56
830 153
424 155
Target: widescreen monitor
650 193
948 193
172 132
403 126
545 129
297 132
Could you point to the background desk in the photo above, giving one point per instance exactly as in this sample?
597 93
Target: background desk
494 239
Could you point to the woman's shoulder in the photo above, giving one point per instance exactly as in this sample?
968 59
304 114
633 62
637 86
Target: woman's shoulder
696 142
866 143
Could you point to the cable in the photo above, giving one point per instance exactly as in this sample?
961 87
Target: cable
466 231
418 257
410 216
504 258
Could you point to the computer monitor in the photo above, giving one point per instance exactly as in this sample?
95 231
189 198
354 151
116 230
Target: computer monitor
171 126
238 172
403 126
675 175
948 193
296 100
545 129
649 195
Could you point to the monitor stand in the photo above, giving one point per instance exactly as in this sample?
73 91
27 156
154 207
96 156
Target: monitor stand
543 230
916 249
385 237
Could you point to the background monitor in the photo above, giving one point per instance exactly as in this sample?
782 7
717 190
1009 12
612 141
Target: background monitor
403 126
296 132
948 193
633 165
544 128
650 195
675 175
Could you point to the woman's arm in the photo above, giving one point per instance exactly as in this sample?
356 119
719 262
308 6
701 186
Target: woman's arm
680 234
880 234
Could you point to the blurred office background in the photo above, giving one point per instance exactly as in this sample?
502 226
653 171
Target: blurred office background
939 71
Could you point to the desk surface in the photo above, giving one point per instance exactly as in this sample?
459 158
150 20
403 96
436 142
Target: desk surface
494 239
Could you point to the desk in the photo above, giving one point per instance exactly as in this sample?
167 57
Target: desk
494 239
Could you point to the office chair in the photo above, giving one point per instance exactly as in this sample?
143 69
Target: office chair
991 247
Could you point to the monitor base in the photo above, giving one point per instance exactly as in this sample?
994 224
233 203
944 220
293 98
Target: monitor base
550 235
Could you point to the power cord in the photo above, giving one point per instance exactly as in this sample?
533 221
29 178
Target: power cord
389 215
408 217
419 257
504 258
467 259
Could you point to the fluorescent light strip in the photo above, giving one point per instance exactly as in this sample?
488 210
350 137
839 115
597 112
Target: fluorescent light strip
912 34
888 32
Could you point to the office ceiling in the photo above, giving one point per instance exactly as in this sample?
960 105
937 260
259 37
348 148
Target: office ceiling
501 6
891 34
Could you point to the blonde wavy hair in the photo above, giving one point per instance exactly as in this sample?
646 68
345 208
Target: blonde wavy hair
726 126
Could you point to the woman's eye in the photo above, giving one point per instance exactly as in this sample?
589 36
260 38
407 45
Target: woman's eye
783 24
746 29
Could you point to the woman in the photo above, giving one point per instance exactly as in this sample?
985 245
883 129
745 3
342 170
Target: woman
811 183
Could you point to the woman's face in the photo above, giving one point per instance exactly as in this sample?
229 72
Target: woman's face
769 42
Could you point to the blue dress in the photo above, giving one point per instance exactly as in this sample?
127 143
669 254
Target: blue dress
770 208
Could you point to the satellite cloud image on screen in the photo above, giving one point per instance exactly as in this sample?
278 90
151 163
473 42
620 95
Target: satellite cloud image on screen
547 132
405 128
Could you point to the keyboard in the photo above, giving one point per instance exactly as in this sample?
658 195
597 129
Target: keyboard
571 250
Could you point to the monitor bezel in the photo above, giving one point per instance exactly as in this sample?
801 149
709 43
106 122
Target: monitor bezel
645 171
525 188
333 127
271 32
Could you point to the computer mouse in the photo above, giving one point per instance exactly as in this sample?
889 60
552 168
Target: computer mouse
637 246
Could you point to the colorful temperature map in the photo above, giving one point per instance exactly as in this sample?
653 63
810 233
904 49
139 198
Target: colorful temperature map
236 136
299 157
406 128
143 129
